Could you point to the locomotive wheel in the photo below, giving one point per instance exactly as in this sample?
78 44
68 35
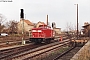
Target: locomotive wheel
38 41
48 40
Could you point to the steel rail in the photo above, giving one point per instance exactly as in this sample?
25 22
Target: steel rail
14 54
56 58
8 52
33 51
44 52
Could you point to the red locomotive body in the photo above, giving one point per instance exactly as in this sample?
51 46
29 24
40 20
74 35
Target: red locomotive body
42 34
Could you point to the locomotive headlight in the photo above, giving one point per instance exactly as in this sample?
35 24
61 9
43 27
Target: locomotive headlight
39 30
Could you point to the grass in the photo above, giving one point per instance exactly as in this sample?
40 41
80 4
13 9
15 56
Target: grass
55 53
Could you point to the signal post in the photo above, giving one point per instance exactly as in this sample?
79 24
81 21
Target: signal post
22 18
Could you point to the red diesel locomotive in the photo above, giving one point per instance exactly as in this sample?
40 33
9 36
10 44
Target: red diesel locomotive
42 34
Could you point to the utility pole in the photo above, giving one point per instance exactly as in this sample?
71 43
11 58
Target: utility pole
77 20
22 18
47 19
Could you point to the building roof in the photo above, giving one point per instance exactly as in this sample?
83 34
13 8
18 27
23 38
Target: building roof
28 22
57 28
41 23
86 25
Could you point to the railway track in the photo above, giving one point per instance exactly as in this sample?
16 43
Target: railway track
67 55
5 54
12 43
16 50
14 53
58 57
38 51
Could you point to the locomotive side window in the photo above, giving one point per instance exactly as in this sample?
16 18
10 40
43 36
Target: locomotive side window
39 31
36 30
33 30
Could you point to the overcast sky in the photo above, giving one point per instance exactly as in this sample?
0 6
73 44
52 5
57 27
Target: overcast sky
62 12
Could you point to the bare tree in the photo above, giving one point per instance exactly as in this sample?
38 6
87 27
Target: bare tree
2 19
12 26
69 27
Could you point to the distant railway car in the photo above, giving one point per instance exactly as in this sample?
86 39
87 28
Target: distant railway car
42 34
